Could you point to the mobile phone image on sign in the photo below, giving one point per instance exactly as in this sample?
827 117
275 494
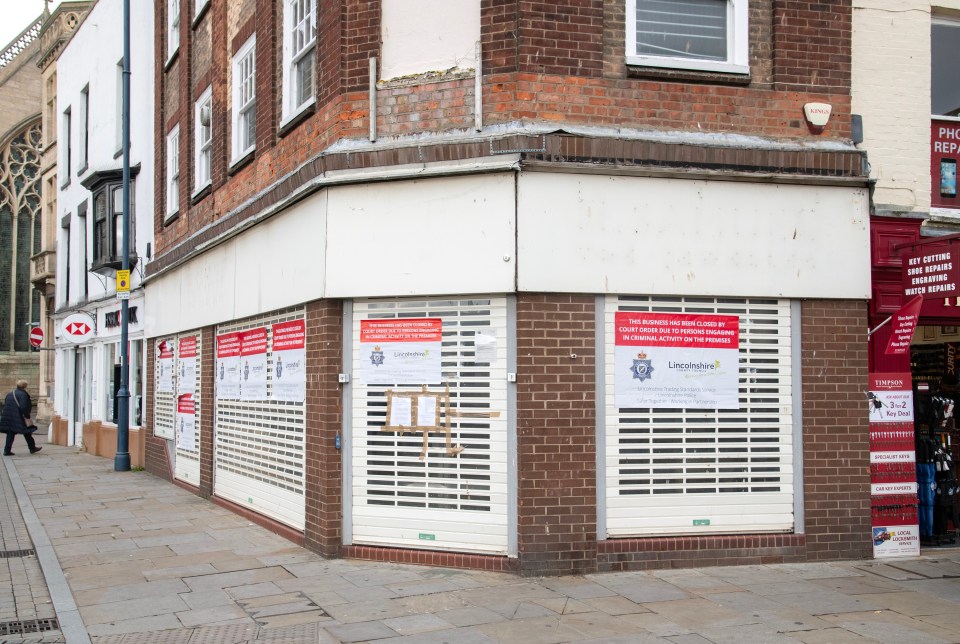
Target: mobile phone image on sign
948 177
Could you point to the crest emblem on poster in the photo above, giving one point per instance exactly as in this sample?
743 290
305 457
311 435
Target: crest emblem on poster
642 368
376 356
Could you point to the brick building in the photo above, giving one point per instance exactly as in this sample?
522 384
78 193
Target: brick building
417 264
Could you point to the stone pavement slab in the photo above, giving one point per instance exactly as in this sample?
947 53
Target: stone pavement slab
146 562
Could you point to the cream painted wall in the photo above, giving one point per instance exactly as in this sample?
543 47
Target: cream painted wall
564 233
891 89
422 36
614 234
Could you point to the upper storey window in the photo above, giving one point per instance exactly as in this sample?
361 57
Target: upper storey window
299 54
704 35
173 27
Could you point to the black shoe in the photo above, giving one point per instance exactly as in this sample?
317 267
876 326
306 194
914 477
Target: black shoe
9 454
35 450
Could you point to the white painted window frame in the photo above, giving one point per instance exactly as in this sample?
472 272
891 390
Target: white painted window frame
738 44
173 171
203 142
299 42
173 27
244 98
199 6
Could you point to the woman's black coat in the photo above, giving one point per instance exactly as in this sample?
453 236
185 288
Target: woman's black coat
16 406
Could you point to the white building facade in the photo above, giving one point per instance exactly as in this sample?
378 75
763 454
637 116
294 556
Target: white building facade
90 208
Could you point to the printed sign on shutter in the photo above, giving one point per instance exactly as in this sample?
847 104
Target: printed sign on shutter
253 355
186 423
228 366
402 352
187 366
289 361
674 360
165 367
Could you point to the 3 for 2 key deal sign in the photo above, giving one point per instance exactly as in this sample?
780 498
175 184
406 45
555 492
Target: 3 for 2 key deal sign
674 360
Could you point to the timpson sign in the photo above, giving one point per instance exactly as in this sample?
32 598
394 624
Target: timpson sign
932 273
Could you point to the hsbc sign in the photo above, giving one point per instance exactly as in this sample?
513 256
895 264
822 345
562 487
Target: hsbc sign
77 327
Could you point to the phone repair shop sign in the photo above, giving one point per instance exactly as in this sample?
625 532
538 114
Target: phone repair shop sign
933 273
944 155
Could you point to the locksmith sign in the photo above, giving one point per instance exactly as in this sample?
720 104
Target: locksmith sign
932 273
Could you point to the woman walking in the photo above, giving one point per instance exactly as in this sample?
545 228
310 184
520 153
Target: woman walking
15 418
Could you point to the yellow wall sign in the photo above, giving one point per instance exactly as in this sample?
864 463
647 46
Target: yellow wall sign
123 281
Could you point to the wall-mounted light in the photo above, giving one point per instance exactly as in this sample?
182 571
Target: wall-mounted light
818 115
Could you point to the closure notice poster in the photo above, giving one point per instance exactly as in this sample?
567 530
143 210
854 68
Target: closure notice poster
228 366
289 361
253 356
165 367
187 381
401 352
893 460
186 423
676 360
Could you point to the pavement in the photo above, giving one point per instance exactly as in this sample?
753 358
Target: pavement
103 557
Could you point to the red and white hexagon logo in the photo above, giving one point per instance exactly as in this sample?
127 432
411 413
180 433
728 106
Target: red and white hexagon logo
77 327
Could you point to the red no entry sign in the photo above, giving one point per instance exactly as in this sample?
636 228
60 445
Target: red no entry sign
36 336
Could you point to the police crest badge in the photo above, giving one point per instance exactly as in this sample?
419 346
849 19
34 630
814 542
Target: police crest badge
642 367
376 356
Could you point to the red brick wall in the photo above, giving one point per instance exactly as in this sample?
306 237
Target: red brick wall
558 62
498 35
207 370
324 419
556 434
836 447
561 37
812 45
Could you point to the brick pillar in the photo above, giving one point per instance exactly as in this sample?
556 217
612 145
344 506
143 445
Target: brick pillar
324 326
836 444
556 434
208 369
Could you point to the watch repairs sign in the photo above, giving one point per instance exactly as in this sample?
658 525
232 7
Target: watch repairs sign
934 273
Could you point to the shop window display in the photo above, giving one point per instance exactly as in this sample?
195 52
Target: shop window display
936 394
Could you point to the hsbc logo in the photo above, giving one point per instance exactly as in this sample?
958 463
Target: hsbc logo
77 327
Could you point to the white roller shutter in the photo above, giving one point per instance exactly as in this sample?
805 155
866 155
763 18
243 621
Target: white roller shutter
697 471
259 445
186 461
442 502
164 402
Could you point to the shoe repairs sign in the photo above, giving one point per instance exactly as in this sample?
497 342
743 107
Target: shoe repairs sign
934 273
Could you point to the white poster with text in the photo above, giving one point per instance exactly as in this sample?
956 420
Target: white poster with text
676 361
401 352
253 355
290 361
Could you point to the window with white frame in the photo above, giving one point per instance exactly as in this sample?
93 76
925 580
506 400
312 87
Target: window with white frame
299 54
173 27
707 35
203 146
244 99
84 139
173 171
66 159
199 6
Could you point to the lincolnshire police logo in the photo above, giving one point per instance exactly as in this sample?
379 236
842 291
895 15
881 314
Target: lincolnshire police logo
642 369
376 356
